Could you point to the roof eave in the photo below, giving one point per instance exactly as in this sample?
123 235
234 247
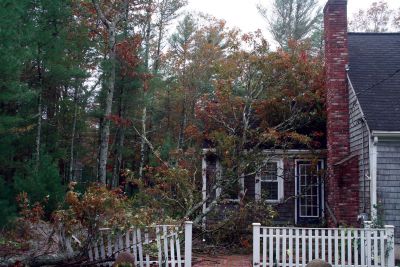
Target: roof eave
395 134
351 87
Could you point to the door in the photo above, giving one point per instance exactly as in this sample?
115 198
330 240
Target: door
309 192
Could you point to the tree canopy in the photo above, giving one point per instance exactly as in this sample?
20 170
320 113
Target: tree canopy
293 20
106 102
379 17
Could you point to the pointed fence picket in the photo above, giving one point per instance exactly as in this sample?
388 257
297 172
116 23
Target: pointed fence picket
150 246
353 247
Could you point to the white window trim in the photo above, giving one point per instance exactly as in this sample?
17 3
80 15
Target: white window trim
280 180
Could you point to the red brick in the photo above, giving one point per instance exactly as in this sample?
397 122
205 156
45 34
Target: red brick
342 185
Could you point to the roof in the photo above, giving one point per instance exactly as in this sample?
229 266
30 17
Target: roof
374 71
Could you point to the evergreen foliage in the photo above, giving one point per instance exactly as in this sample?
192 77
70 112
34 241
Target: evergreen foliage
293 20
43 186
7 205
174 92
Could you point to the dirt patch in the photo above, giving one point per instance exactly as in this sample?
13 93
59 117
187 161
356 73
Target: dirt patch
222 261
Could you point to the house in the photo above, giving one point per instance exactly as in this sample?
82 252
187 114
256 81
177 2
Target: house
283 175
362 155
363 123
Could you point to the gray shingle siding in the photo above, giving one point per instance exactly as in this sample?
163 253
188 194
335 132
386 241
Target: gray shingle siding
374 61
358 146
388 183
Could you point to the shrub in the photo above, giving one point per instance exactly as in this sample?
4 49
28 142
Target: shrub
44 184
7 208
236 228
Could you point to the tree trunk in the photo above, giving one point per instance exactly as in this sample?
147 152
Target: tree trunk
62 259
71 156
119 142
181 138
39 122
158 52
105 127
168 128
38 133
147 35
143 142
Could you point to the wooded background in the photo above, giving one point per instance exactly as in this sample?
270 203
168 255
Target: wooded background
127 93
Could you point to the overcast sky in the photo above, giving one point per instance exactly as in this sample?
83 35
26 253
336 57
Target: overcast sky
244 15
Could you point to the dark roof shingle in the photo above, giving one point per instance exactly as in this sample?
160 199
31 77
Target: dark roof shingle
374 71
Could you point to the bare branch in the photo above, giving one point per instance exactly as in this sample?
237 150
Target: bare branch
155 152
100 13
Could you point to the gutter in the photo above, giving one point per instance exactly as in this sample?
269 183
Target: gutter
378 134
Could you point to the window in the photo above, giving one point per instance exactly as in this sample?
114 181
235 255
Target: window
214 185
309 191
269 181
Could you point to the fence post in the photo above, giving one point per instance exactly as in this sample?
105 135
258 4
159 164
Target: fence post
390 245
188 244
256 244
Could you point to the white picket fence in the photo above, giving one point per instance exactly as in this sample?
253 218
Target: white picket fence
289 246
152 246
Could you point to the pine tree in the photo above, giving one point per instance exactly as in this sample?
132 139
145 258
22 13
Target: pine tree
43 47
292 19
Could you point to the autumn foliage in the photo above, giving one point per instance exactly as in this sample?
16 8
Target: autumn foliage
79 82
281 93
97 207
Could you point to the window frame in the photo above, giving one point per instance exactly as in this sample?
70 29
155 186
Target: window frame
309 219
280 181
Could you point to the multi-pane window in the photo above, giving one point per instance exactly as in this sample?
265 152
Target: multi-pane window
309 189
269 181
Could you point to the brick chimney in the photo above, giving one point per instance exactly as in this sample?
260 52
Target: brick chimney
342 184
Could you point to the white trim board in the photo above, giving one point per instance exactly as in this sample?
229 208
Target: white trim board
373 158
294 152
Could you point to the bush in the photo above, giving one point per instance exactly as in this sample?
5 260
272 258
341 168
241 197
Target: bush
7 208
43 185
235 228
